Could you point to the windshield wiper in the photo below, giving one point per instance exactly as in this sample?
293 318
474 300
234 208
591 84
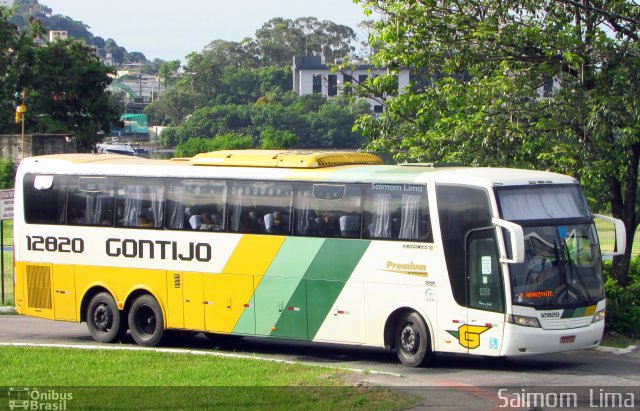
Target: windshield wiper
569 261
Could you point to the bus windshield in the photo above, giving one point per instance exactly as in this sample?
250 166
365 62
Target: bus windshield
563 265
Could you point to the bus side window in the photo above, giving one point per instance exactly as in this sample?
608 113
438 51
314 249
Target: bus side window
191 200
253 202
328 210
397 212
45 199
141 202
90 201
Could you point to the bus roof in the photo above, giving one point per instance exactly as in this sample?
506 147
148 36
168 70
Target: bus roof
339 168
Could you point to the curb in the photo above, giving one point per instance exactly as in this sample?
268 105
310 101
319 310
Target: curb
614 350
7 310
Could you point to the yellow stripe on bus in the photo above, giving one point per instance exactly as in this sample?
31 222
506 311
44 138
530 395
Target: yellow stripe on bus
253 255
228 295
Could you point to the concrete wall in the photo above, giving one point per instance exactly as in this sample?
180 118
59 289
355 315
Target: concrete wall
35 145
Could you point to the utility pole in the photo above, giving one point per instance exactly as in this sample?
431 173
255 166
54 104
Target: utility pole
21 109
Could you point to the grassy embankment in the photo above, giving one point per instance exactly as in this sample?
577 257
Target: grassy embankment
107 379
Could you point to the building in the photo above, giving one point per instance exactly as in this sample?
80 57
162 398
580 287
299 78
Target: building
312 75
58 35
6 3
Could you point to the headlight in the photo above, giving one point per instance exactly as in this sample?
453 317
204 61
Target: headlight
599 316
523 321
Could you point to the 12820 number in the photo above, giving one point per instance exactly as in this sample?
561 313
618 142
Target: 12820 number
55 244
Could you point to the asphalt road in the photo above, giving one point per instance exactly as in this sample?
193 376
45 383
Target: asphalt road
452 382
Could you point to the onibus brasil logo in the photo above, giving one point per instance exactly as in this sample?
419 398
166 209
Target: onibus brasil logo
25 398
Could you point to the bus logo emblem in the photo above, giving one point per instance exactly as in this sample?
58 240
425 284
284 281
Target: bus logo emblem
469 335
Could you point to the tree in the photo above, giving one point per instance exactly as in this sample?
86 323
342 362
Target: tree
280 39
272 139
172 107
68 93
529 83
64 84
168 72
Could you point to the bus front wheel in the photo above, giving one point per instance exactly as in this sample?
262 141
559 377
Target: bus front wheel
103 319
412 341
146 322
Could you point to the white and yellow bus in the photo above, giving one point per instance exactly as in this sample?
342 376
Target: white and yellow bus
315 246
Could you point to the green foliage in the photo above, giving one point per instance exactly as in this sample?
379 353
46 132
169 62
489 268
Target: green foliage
314 121
271 139
228 141
63 82
543 84
7 173
623 303
280 39
168 137
25 10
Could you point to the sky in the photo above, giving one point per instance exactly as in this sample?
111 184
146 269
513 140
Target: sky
171 29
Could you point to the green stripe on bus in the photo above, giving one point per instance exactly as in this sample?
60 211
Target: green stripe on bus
280 283
327 276
573 312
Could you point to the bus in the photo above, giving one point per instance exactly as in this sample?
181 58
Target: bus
314 246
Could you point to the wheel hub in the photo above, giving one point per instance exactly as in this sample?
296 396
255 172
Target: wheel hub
408 338
102 318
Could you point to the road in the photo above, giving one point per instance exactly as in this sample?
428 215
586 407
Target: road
455 379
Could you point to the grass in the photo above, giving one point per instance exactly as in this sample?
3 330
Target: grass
107 379
7 236
618 341
607 237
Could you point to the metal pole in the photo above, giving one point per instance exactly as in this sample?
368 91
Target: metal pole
23 114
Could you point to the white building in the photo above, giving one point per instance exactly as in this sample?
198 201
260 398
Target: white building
312 75
55 35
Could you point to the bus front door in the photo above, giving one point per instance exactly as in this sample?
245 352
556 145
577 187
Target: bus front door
485 296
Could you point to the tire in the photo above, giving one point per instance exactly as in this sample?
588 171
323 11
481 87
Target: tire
412 340
146 322
104 320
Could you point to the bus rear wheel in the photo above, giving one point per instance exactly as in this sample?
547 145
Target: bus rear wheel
146 322
412 341
104 320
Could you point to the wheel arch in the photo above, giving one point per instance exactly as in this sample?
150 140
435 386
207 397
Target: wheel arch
392 320
139 291
89 294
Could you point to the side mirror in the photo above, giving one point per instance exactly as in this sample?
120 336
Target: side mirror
621 236
516 236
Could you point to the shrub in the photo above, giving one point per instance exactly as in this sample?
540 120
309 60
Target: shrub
229 141
7 173
623 303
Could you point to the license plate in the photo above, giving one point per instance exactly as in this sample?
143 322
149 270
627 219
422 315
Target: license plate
567 339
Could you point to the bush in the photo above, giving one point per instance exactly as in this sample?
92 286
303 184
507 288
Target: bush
229 141
7 173
623 303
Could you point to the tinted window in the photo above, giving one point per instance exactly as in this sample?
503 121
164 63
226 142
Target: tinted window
461 210
196 205
397 211
140 203
260 207
90 201
328 210
485 280
542 202
45 199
